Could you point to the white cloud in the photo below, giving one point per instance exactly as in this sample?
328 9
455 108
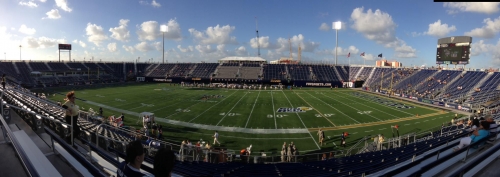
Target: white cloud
63 4
440 30
174 30
158 46
241 50
150 30
215 35
187 49
143 47
489 30
52 14
283 44
95 34
129 49
478 7
155 4
25 30
481 48
379 27
415 34
324 27
29 4
368 57
121 32
112 47
341 52
81 43
205 49
43 0
263 42
41 42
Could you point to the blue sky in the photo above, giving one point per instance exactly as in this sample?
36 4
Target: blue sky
123 30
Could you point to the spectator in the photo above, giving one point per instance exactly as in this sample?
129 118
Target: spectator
323 157
131 167
332 155
100 111
283 152
477 135
160 132
122 116
71 116
493 128
3 81
164 163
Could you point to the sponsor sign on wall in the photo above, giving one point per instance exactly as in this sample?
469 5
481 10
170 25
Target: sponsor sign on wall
162 80
318 84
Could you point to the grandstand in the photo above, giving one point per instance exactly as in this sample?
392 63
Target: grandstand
39 123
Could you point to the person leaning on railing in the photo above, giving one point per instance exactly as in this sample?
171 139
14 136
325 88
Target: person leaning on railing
71 116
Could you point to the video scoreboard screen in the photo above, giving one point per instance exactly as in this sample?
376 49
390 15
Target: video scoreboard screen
453 53
64 46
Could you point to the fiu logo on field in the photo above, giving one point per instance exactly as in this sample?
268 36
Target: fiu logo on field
293 110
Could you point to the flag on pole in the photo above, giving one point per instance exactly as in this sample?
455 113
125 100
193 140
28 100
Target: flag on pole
362 54
380 55
349 55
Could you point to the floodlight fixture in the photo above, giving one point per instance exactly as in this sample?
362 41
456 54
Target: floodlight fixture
337 25
163 29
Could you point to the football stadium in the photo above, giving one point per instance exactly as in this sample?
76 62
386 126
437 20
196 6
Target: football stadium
248 115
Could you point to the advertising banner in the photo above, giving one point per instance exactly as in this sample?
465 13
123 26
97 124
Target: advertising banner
426 101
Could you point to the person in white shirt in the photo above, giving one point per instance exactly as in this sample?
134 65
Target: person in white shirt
216 138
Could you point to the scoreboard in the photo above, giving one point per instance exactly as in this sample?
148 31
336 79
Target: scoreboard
64 46
454 50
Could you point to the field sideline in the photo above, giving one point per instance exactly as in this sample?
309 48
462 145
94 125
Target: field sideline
267 111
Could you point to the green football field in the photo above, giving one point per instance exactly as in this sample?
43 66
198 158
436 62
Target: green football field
263 118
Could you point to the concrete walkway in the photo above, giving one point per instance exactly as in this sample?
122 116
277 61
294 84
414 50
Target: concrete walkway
207 127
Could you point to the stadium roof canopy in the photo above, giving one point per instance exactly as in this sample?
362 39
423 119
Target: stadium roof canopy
243 59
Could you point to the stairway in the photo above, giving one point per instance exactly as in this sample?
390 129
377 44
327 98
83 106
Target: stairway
437 92
192 70
370 76
337 73
481 82
66 64
287 72
47 64
415 85
15 68
29 67
357 74
150 70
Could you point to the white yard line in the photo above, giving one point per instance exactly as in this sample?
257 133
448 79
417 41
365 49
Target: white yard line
231 109
335 108
211 106
252 109
301 120
351 107
274 111
243 137
370 106
384 105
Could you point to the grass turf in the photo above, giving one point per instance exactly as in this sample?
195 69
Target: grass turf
335 111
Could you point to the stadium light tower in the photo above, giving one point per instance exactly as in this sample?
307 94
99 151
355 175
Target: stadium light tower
20 52
163 29
336 26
